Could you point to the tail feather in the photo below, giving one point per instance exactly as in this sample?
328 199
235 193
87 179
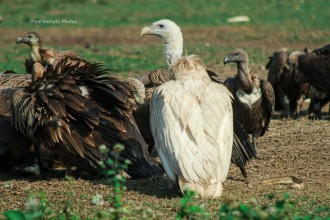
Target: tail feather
144 168
212 190
243 148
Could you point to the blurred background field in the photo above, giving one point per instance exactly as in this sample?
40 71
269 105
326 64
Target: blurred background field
109 32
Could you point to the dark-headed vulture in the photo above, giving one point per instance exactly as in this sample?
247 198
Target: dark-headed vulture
170 32
73 109
314 68
282 67
191 120
45 56
254 98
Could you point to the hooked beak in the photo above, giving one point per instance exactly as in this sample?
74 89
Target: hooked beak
21 39
145 31
226 60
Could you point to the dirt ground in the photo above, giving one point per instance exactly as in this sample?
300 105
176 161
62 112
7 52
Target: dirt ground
294 159
294 154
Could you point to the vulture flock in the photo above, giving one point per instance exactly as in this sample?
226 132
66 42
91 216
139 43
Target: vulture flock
66 107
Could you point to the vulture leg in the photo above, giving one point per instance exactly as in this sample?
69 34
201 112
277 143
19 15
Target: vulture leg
43 168
254 142
294 106
243 149
43 155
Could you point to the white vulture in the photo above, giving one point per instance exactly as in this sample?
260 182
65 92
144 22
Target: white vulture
191 121
45 56
72 110
170 32
254 98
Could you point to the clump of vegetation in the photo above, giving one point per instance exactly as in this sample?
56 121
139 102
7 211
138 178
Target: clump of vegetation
115 179
281 209
190 211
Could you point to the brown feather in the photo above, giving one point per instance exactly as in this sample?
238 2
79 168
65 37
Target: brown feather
282 69
314 68
73 124
256 115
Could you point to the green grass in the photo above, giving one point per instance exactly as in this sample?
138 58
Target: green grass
297 14
303 22
129 60
118 59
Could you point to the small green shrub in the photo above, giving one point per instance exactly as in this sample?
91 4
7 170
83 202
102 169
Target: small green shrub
112 170
189 211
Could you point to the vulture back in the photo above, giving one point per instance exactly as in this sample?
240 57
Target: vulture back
314 68
73 109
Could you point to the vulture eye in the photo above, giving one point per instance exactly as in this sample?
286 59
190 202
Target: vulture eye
29 36
161 25
235 54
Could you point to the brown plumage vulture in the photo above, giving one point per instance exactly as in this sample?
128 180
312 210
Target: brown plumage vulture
289 94
73 109
45 56
314 68
14 147
254 98
170 32
191 120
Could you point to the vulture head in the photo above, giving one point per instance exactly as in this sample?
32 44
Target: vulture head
137 90
171 34
236 56
31 39
247 80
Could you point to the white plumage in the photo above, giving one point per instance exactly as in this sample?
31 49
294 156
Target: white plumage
191 121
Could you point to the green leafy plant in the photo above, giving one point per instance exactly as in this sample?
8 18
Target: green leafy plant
189 211
112 170
281 209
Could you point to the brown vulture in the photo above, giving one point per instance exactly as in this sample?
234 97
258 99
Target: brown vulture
45 56
289 94
254 99
170 32
314 68
14 146
191 120
73 109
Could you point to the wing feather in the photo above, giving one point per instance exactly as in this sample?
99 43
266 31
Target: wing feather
188 135
72 110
